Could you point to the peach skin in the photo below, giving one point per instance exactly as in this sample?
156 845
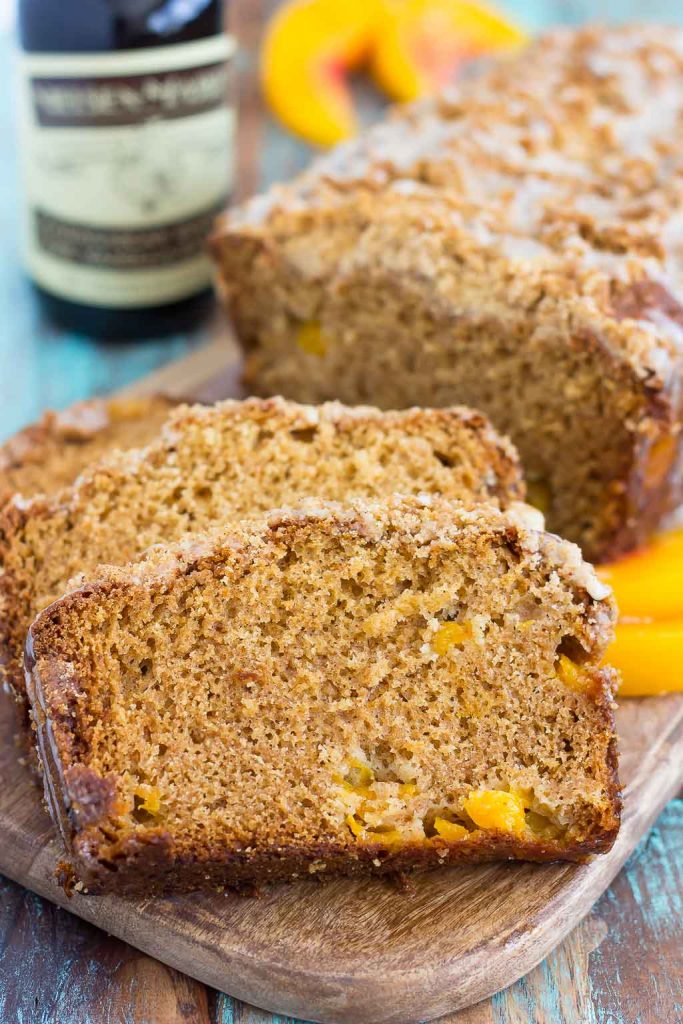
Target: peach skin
420 43
309 48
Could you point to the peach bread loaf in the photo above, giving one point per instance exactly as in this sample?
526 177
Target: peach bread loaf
369 687
226 462
514 244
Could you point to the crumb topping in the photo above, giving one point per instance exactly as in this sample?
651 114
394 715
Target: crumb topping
564 163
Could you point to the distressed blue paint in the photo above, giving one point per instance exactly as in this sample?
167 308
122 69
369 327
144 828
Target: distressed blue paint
231 1011
533 1002
645 902
660 891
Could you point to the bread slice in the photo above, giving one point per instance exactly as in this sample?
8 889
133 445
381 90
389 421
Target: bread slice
225 463
512 245
364 688
49 455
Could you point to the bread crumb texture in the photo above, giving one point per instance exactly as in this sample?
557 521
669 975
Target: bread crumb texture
334 689
513 244
225 463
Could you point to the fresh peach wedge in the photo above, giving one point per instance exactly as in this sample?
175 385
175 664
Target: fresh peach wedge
421 43
649 656
648 584
309 48
648 587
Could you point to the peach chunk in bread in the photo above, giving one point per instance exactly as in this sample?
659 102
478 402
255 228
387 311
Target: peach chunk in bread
288 697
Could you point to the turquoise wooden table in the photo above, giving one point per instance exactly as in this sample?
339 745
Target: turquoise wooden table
622 965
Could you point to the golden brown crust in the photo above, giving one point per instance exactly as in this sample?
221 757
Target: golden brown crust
145 864
89 806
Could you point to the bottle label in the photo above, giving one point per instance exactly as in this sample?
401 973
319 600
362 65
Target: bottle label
127 161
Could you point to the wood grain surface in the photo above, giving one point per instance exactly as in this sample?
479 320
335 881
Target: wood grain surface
621 965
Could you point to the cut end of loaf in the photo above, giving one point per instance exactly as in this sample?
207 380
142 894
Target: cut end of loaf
332 690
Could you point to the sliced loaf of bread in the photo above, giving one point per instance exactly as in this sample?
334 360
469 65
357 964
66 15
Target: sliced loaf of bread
226 462
339 689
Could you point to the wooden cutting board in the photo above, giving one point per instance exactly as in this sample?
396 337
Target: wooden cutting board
361 951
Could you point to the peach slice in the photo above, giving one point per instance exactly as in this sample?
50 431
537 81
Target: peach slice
309 48
648 587
420 43
649 656
649 583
